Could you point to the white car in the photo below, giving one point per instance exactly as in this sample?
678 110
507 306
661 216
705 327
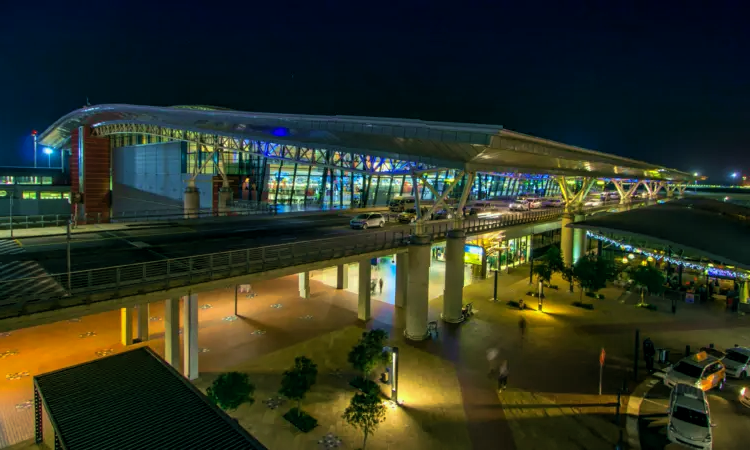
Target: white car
520 205
689 418
368 220
593 202
553 203
737 362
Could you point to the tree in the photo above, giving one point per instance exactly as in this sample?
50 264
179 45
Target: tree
368 353
543 274
649 278
297 381
365 412
592 273
231 389
554 260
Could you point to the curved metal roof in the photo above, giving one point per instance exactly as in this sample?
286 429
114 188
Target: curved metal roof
485 148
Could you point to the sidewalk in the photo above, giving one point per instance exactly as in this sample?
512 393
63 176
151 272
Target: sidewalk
541 421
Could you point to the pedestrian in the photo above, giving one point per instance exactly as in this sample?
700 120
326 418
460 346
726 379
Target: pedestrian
380 284
492 354
522 326
648 354
502 377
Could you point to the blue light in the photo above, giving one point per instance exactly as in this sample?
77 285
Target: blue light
47 151
280 132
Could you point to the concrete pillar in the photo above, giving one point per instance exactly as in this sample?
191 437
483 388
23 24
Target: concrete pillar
745 292
225 200
142 322
418 288
579 240
172 332
566 240
190 336
342 276
454 276
402 279
126 326
191 202
304 284
365 275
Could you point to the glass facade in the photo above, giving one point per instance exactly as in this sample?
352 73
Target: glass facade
330 179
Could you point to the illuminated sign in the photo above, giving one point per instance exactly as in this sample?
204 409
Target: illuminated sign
473 254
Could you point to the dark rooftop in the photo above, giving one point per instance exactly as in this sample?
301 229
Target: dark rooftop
135 400
716 230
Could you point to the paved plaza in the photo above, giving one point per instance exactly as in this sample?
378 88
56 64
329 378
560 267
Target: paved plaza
450 402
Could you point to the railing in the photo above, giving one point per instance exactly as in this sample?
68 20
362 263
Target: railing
56 220
19 296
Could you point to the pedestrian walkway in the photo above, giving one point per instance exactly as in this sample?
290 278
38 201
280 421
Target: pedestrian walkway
542 422
20 279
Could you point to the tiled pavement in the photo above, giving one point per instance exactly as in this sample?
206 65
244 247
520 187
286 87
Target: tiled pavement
557 359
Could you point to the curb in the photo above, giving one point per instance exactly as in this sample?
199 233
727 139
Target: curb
634 408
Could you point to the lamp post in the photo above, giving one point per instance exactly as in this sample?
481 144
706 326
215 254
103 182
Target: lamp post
48 152
33 135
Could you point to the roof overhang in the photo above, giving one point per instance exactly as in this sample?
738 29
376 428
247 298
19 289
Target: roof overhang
700 227
473 147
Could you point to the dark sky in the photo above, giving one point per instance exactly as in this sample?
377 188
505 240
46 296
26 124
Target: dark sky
658 81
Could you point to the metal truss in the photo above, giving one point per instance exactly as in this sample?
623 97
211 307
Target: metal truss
574 200
332 159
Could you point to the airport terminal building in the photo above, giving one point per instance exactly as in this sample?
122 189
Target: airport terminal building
137 158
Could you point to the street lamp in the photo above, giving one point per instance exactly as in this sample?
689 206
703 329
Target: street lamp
48 152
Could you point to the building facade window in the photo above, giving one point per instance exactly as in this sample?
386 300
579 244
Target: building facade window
50 195
29 195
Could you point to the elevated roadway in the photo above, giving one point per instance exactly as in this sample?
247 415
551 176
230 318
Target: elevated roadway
121 269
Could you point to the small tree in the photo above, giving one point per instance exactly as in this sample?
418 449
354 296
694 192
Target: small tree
649 278
365 412
592 273
368 353
554 260
231 389
543 274
297 381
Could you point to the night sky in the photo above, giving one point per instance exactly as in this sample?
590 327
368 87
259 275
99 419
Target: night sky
668 84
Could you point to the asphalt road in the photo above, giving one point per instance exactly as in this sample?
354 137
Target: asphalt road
112 248
732 419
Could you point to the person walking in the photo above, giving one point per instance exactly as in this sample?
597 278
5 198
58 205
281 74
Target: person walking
522 326
380 284
492 354
648 354
502 377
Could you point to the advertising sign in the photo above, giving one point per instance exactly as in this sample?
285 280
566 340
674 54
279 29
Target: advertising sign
473 254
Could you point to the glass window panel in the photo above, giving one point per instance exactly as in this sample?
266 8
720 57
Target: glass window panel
50 195
29 195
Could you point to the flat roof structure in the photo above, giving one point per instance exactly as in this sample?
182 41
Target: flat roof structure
470 147
132 400
702 227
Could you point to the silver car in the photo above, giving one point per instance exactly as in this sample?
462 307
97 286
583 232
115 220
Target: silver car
368 220
737 362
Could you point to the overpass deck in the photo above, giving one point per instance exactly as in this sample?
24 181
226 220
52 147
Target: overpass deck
164 276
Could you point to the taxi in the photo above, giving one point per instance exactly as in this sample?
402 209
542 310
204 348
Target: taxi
700 370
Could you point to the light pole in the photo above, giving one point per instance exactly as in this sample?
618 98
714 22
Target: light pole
48 152
695 183
33 134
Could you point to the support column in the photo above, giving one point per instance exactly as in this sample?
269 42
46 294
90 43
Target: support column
304 284
364 291
191 202
172 332
566 239
142 322
418 288
745 292
126 326
402 279
342 276
579 240
454 276
225 200
190 336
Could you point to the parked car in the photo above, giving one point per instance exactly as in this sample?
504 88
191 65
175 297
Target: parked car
737 362
689 418
368 220
700 370
408 216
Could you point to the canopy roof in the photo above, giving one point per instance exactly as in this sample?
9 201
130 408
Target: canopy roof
135 400
483 148
702 227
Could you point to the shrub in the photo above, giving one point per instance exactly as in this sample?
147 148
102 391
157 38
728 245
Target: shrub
583 305
301 420
230 390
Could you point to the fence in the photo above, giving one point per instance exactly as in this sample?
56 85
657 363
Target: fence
81 287
56 220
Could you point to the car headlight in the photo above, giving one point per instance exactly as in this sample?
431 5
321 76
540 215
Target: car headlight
672 428
742 391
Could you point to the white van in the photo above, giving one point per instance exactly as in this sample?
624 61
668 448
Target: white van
689 418
401 203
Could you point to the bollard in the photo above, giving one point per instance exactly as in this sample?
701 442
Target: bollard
635 358
710 345
617 408
687 350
